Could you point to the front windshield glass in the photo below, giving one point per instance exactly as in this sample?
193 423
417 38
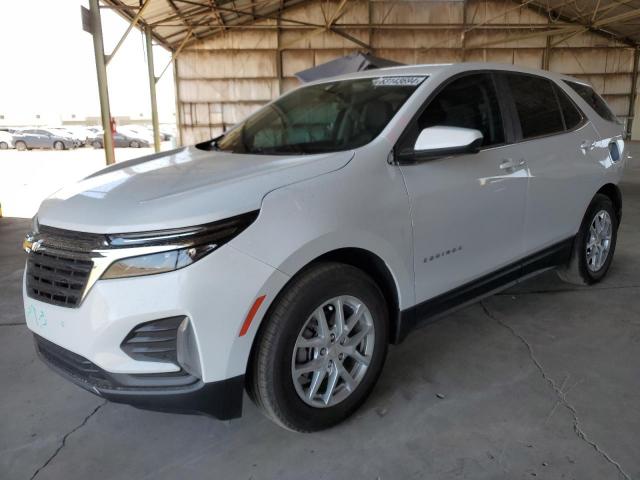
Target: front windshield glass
321 118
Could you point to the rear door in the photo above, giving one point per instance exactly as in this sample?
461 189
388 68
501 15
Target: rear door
119 140
34 139
556 141
45 139
468 209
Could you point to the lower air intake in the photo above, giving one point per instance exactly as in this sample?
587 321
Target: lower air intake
154 341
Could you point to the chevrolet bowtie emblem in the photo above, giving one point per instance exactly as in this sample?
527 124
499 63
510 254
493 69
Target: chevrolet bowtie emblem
29 245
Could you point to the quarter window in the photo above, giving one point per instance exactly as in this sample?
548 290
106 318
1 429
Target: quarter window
594 100
468 102
536 104
570 113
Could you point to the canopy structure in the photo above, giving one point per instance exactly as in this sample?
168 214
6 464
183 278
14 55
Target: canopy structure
232 56
173 21
356 62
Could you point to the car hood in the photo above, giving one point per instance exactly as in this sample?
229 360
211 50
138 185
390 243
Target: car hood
183 187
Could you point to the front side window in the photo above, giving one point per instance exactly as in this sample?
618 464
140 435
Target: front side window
321 118
536 104
467 102
594 100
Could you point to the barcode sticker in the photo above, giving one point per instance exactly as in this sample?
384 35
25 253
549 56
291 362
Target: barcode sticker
402 81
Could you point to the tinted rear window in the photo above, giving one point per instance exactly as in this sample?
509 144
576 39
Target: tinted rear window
594 100
536 105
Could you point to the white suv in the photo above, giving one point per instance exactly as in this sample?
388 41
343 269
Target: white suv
284 256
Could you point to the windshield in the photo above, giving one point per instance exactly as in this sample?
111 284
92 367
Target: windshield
322 118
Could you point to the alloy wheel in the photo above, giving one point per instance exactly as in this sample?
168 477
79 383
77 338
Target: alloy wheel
599 240
333 351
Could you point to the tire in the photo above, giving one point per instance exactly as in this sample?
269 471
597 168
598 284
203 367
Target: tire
96 144
4 145
271 381
20 145
586 265
134 144
58 145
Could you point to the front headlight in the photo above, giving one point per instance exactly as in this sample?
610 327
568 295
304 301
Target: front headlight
156 262
178 247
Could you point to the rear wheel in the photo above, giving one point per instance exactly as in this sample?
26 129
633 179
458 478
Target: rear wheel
58 145
594 245
20 145
96 144
4 145
321 349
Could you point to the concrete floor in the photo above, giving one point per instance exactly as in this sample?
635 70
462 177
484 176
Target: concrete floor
540 381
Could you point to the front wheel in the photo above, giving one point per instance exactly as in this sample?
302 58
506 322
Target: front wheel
134 144
594 244
321 349
20 145
4 145
58 145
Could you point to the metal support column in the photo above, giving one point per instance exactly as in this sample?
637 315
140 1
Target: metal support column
634 92
152 89
101 71
176 82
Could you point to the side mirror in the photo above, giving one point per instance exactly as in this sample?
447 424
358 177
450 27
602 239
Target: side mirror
444 141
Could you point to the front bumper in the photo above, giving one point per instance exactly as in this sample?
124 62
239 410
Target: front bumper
172 392
215 294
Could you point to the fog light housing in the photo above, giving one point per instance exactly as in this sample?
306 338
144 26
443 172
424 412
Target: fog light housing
188 355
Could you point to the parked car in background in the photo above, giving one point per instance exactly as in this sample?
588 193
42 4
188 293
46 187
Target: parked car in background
42 138
122 139
80 133
166 133
138 131
6 140
65 132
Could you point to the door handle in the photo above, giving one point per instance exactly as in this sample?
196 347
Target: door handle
509 165
587 146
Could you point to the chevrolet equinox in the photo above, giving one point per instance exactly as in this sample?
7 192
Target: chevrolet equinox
282 257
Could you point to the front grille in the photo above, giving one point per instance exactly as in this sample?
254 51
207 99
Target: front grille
58 272
57 278
71 240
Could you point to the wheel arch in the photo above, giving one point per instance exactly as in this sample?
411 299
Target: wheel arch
376 268
614 193
365 260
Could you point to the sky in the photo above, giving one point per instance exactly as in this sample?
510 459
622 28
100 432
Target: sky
47 64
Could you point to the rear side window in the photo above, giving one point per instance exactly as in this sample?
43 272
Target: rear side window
594 100
571 114
469 102
536 105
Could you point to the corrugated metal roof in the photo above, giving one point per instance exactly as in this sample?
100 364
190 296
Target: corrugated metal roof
619 19
175 22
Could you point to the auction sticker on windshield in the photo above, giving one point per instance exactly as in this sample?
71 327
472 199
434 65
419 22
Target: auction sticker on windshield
403 81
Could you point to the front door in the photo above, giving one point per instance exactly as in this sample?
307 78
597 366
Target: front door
467 210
